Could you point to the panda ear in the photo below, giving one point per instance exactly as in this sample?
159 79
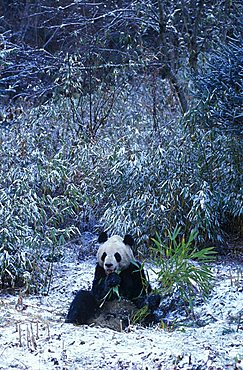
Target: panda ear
103 237
128 240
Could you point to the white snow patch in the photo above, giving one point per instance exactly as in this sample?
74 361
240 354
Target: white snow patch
33 334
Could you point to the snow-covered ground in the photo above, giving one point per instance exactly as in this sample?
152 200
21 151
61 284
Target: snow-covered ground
33 334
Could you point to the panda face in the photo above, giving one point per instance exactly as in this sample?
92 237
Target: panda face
114 255
111 262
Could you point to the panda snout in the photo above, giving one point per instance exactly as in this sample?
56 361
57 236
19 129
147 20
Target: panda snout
109 268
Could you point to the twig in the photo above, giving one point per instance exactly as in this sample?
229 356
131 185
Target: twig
121 330
19 331
37 330
33 341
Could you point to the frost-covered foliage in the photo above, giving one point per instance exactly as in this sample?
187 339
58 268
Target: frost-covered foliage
40 206
159 180
131 177
220 87
183 271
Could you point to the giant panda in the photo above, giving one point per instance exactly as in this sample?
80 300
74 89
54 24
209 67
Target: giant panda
117 275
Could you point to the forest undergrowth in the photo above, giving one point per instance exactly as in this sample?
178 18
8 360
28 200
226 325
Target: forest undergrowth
140 170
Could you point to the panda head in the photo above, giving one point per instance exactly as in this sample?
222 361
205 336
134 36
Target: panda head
114 253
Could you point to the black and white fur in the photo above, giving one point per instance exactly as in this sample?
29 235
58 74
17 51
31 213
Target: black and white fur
116 267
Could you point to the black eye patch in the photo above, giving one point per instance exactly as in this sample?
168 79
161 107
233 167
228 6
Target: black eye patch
103 256
118 257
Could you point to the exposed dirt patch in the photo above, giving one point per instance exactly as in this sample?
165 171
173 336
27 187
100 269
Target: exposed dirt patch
115 315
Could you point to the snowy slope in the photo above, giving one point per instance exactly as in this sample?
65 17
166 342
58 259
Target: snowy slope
33 334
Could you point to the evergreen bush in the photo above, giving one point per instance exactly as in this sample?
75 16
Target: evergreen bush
220 87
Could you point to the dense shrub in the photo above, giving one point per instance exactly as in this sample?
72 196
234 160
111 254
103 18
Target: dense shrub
220 87
40 206
176 178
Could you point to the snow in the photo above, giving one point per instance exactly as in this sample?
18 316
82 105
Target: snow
34 335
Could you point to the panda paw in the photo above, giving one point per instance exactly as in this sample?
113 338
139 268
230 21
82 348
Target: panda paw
153 301
112 280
